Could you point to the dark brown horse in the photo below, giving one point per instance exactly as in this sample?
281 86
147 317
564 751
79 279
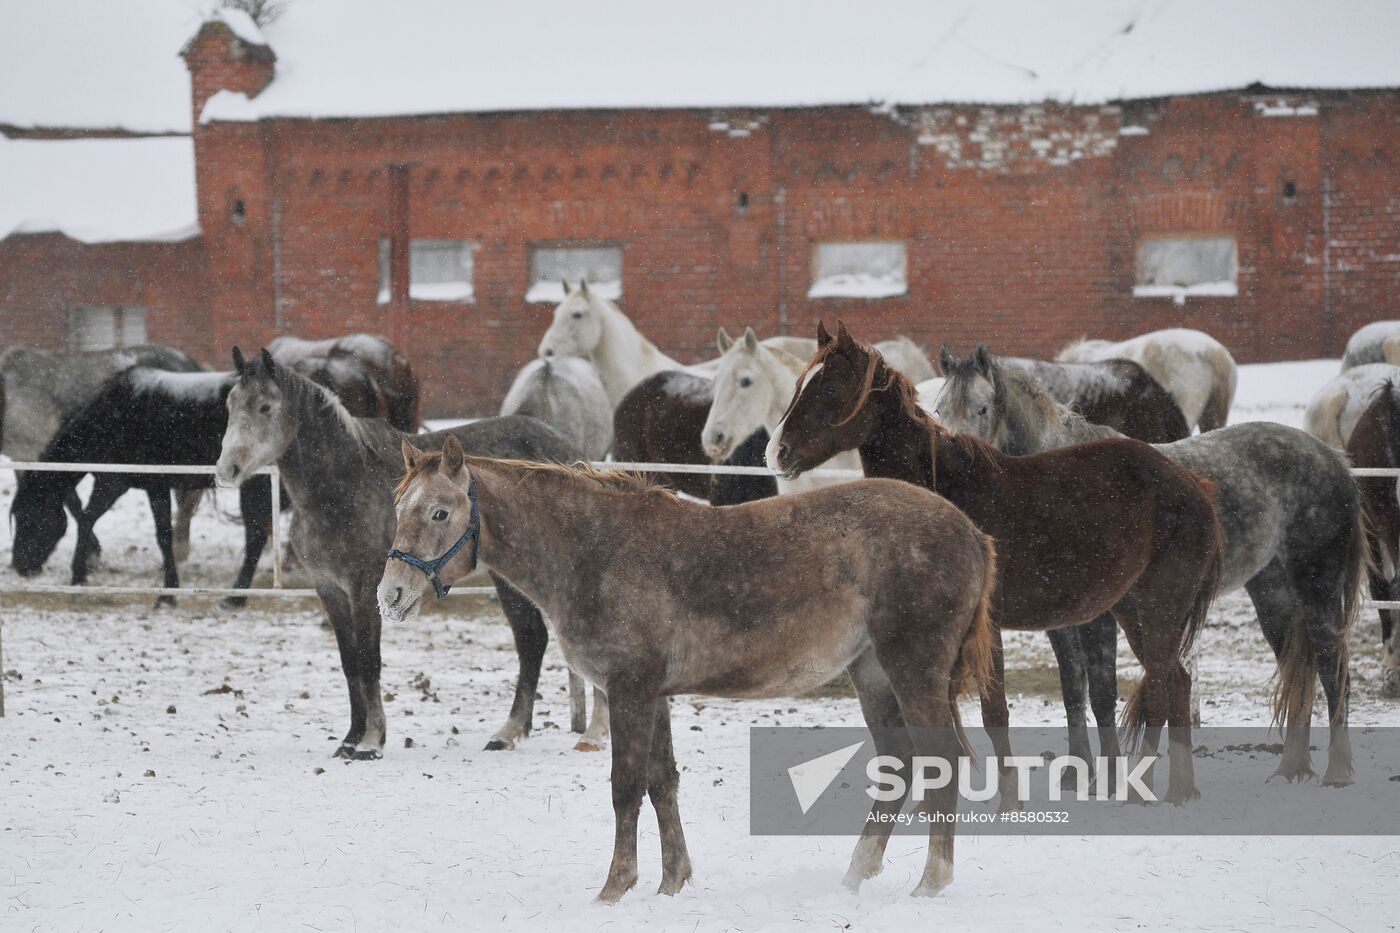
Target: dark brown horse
366 372
661 419
1110 526
1375 442
1118 394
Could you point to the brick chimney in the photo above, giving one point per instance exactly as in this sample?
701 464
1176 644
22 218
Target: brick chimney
227 54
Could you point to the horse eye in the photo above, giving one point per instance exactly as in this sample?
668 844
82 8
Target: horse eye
745 382
440 515
576 315
265 409
983 411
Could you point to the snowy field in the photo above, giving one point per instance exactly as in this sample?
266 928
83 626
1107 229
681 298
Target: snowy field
171 770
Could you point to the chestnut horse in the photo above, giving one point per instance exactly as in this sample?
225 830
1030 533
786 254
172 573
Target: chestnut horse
1110 526
1375 442
770 598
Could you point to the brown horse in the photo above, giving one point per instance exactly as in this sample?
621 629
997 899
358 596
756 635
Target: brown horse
1110 526
366 372
666 597
1375 442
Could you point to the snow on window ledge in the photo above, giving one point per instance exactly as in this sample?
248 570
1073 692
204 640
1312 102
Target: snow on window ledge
858 285
435 291
553 292
1179 293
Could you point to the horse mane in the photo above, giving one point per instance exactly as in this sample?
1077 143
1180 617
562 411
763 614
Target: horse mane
579 473
303 393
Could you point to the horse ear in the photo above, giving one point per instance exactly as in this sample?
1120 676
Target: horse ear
750 340
238 361
583 287
565 283
823 338
843 336
268 365
945 359
723 341
452 456
410 455
983 359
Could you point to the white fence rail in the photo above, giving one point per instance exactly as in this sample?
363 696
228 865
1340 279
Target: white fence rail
278 591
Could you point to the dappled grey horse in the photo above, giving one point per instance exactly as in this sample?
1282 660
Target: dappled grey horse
43 387
339 472
1291 524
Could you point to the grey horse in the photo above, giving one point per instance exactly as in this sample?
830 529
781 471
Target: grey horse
1291 521
565 393
43 387
339 472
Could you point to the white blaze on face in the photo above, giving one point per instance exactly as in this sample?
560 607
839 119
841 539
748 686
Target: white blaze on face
770 454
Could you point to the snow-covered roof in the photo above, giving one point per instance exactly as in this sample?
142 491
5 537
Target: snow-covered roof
99 190
96 64
342 58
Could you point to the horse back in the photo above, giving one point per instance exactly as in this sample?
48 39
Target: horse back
661 420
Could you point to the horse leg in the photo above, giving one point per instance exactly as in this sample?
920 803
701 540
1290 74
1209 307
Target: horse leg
1145 713
1280 612
107 488
880 708
186 502
929 716
1099 642
596 738
663 782
996 720
364 616
1384 579
1070 654
165 540
86 539
578 703
1328 638
255 504
634 718
337 606
531 637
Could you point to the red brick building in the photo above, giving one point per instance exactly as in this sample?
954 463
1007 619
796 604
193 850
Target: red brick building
1268 217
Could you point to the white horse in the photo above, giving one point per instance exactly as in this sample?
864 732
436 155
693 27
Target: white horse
1193 366
1377 342
752 387
1333 412
591 327
565 393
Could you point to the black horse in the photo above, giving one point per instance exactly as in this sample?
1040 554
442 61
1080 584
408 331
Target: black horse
140 416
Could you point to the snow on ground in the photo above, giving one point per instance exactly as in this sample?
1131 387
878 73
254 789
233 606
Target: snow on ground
167 770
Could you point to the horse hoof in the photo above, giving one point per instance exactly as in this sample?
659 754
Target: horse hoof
1178 798
500 745
233 602
672 886
1294 774
344 751
366 754
165 602
1341 779
589 745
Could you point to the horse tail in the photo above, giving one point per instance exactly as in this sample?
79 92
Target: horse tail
973 669
1295 687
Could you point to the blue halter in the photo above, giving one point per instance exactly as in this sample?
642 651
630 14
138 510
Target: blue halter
431 568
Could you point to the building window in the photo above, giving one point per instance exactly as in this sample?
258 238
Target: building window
438 270
106 328
1178 267
551 266
859 270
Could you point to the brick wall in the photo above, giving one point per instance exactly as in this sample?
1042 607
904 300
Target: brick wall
1021 224
43 276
